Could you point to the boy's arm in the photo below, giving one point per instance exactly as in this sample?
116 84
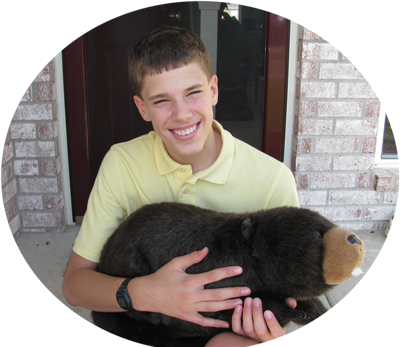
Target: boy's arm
170 290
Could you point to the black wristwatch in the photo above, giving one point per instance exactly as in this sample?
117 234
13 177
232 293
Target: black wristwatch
123 298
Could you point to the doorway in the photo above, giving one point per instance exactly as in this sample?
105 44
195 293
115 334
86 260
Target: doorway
251 67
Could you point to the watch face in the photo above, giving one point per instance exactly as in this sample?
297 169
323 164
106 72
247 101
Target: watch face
121 302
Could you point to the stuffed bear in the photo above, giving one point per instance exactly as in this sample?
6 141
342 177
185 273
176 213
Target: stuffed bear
284 252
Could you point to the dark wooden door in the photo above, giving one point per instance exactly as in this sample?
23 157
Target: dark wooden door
113 115
99 98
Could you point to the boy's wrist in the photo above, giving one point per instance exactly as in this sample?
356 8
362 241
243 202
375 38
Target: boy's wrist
134 288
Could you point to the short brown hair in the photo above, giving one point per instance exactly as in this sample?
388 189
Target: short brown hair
166 48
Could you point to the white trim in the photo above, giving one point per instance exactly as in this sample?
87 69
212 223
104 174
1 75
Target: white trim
62 131
291 94
379 162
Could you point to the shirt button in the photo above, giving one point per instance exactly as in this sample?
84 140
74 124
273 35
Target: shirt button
183 169
185 191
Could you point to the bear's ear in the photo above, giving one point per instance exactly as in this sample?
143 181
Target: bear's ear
247 229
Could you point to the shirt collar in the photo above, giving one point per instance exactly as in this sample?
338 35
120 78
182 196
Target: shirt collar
217 173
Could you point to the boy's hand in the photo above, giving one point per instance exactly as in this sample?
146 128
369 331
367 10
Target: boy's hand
257 325
175 293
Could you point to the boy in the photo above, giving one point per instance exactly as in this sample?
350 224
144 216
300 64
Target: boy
187 158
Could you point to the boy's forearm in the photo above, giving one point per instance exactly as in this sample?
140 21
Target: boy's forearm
92 290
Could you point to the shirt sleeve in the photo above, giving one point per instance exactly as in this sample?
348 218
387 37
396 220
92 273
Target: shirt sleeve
285 193
105 211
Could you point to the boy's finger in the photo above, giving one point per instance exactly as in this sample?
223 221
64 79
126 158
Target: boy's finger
207 322
292 303
260 327
273 325
237 321
185 261
215 306
221 294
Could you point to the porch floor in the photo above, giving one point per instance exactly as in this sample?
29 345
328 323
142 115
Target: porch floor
36 263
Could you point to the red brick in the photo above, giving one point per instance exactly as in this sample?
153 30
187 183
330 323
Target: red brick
369 145
339 71
310 198
30 202
309 70
9 191
340 214
354 90
304 145
336 145
354 197
319 51
23 131
333 180
364 180
26 167
313 163
11 209
356 127
315 127
43 219
317 89
340 109
379 212
36 149
39 185
50 167
34 112
45 92
54 202
47 131
301 181
372 109
306 108
390 197
349 163
8 152
383 183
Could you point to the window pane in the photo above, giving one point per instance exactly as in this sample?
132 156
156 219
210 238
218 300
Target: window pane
240 71
389 150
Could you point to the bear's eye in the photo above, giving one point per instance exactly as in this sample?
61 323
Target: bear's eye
318 234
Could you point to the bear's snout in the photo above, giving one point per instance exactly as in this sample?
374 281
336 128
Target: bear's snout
341 244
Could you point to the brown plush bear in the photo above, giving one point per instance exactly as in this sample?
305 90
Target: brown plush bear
284 252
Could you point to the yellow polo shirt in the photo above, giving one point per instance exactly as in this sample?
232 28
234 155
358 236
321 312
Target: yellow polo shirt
140 172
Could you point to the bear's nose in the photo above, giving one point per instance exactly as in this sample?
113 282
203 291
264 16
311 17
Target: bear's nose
354 239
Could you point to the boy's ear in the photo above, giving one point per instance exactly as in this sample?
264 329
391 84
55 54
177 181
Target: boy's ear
214 89
141 107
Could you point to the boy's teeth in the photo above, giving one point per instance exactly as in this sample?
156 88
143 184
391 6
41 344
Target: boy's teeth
186 132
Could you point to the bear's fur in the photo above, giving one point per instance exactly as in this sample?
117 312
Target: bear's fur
281 251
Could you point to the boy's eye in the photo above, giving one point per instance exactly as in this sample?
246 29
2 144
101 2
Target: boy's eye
159 102
195 92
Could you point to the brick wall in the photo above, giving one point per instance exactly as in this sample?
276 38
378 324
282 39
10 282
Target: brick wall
8 186
336 125
31 181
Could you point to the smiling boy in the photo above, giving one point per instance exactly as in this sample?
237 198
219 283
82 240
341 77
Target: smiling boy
188 158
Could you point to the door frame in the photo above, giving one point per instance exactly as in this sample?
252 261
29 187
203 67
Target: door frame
65 145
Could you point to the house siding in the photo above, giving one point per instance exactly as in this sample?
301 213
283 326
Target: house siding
336 127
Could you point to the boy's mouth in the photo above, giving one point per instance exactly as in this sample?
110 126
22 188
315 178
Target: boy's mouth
185 132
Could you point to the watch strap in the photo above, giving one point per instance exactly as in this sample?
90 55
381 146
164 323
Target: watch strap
123 298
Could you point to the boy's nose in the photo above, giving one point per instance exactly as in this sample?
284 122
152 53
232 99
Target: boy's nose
181 111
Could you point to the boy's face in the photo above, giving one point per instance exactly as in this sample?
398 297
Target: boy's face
179 104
